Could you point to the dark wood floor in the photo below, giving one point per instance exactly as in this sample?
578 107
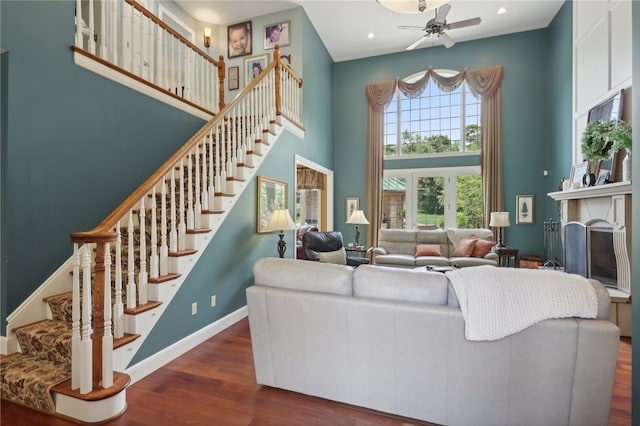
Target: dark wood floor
214 384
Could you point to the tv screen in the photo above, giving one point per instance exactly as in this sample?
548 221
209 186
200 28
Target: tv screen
611 109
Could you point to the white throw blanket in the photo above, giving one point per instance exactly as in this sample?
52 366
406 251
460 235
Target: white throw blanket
497 302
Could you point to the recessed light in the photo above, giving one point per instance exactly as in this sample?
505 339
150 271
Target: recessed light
371 35
502 11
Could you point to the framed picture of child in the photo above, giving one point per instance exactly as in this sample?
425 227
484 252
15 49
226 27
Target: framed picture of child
239 39
277 34
253 66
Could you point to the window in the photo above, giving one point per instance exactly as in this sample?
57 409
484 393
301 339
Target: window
435 122
432 198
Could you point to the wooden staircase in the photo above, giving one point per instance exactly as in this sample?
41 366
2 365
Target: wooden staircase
74 338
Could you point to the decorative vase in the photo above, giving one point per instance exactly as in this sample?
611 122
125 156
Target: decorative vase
626 166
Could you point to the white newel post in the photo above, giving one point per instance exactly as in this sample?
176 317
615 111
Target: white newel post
75 322
107 337
86 357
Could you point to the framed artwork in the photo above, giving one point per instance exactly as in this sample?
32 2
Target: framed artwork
239 40
234 78
525 209
577 171
351 204
272 195
277 33
254 66
604 177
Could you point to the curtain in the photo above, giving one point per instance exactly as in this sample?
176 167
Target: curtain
379 96
483 82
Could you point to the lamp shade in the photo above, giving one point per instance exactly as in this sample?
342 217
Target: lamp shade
499 219
358 218
281 221
411 6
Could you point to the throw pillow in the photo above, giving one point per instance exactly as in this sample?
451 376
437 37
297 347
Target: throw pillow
338 256
465 247
428 250
482 247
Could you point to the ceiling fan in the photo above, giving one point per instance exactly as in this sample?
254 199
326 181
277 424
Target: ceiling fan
438 26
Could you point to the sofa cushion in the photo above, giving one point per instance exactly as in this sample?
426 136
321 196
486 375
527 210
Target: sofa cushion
401 241
307 276
465 247
482 247
338 256
403 285
432 260
396 259
428 250
462 262
457 234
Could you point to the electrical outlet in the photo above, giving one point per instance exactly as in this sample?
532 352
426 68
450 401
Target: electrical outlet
194 308
213 300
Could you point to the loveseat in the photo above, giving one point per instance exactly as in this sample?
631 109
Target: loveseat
393 340
404 248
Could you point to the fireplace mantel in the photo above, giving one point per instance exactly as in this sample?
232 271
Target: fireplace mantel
609 190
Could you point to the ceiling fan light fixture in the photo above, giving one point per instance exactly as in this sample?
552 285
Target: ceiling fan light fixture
411 6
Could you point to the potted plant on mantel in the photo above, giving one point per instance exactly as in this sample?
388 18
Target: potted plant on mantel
621 135
596 146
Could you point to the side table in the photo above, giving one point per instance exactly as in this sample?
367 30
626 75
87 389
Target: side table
507 253
360 251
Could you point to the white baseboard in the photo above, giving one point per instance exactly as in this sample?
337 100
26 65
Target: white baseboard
159 359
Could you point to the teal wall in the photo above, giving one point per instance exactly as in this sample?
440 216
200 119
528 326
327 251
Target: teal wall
77 144
526 116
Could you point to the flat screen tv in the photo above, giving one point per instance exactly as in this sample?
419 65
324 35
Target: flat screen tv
610 109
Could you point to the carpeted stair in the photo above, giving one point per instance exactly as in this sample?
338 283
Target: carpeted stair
27 377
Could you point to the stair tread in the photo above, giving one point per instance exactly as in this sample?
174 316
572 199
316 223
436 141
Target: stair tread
46 340
28 381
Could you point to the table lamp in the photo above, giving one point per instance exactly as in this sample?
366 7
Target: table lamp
281 221
358 218
500 220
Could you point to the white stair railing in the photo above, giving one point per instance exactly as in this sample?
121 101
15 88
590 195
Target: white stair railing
133 40
208 165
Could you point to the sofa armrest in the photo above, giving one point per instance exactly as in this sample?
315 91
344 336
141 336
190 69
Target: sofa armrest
379 250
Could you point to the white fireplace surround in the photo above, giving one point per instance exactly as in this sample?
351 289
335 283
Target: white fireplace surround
603 206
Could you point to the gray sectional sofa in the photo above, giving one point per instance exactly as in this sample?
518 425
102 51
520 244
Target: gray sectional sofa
393 340
397 247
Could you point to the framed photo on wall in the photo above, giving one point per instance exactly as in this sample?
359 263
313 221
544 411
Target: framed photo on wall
254 66
239 40
277 33
351 204
525 209
272 195
234 78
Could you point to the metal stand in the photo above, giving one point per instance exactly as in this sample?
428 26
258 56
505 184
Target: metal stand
357 236
282 245
551 229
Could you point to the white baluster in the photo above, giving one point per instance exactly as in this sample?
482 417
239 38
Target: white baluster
118 307
107 337
86 371
182 227
164 249
143 294
103 31
76 358
79 40
211 163
197 208
131 281
113 39
206 167
92 28
154 265
190 213
173 236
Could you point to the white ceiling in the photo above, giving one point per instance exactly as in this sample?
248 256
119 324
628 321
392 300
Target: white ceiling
344 25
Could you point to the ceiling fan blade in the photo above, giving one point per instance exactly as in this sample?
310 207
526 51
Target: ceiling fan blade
409 27
442 12
446 40
417 42
465 23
